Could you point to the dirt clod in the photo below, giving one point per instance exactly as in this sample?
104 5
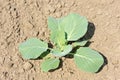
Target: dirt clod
27 65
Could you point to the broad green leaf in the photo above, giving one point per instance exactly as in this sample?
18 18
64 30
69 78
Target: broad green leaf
50 64
54 24
58 38
32 48
66 51
88 60
57 33
75 26
80 43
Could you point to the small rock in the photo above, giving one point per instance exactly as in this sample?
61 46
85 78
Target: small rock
27 25
5 74
59 5
15 66
27 66
10 65
47 12
52 9
58 14
62 3
61 69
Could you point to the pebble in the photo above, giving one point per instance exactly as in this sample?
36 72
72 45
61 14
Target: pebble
5 74
15 66
59 5
61 69
52 9
58 14
10 65
27 25
27 66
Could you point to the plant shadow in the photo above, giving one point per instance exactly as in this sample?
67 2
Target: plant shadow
104 63
91 29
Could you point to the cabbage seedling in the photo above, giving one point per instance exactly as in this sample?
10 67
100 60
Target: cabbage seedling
66 34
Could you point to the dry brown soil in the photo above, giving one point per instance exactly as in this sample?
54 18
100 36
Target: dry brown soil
22 19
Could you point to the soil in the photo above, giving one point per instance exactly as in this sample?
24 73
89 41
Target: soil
22 19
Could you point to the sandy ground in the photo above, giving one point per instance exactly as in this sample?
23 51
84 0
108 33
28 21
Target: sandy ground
22 19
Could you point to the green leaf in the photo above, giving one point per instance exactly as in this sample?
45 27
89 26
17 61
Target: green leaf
80 43
75 26
54 24
50 64
58 38
57 33
88 60
48 56
66 51
32 48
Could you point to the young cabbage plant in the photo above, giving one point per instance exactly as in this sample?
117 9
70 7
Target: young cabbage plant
66 34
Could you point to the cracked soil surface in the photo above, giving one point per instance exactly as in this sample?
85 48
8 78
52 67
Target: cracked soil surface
22 19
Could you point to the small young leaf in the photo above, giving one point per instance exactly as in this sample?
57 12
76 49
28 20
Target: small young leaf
32 48
58 38
81 43
48 56
57 33
58 53
75 26
49 64
88 59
